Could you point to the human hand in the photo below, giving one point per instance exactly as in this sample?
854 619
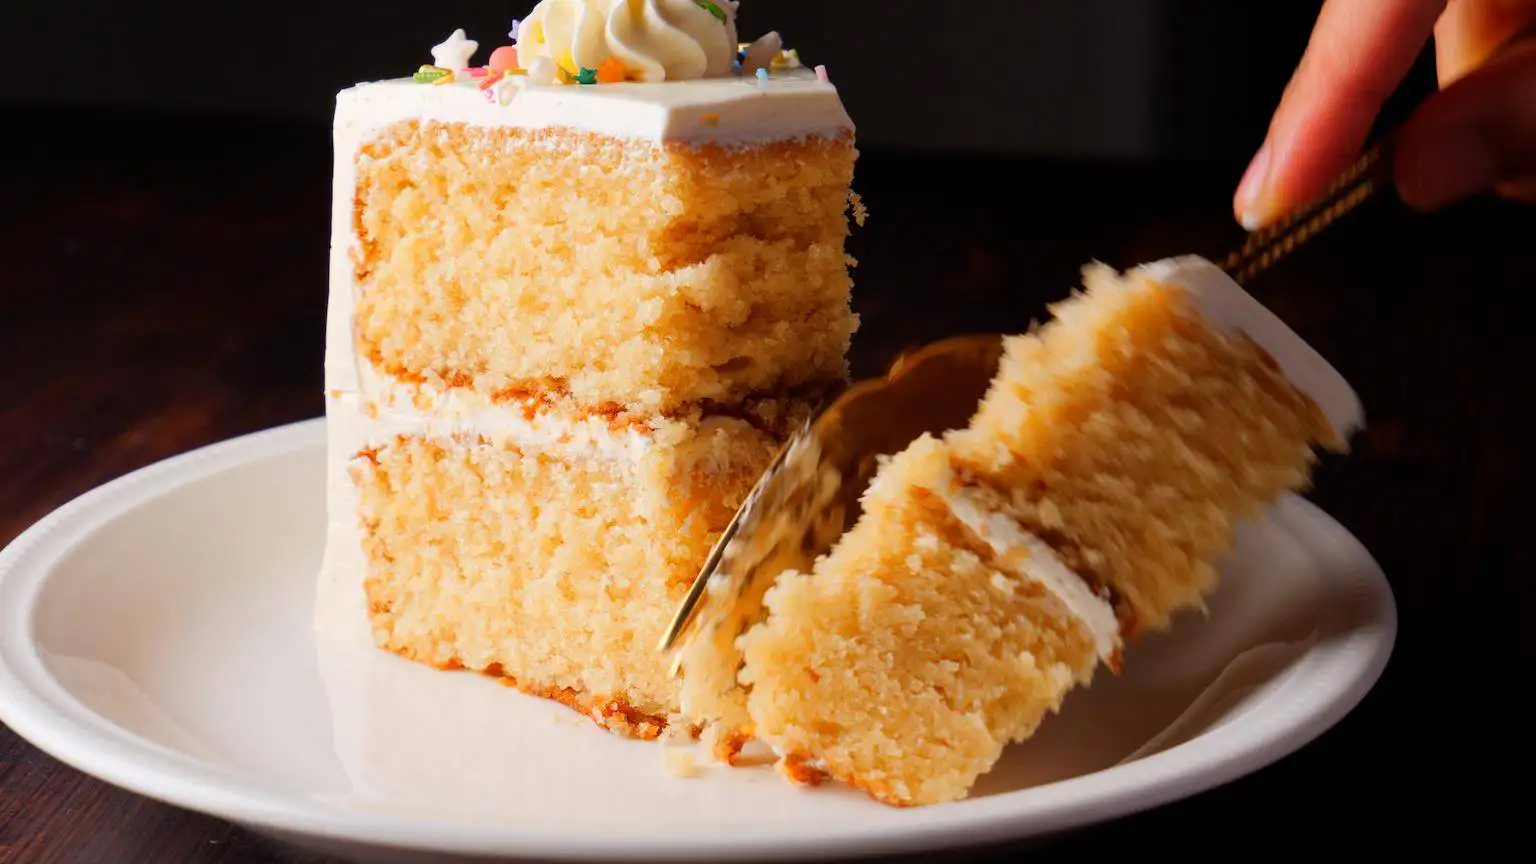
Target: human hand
1476 135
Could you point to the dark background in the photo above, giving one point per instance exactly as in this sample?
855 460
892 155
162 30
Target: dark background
1114 78
165 176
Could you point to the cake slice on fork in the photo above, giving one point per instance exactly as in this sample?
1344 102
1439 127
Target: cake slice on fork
995 568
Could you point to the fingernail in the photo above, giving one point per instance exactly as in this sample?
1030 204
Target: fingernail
1438 169
1252 187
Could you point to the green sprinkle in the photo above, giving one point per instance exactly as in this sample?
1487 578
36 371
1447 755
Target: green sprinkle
586 76
712 9
428 74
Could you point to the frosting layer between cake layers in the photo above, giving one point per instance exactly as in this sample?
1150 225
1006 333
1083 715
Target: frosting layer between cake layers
376 409
675 460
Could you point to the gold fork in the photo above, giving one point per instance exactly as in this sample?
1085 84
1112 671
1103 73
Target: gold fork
809 495
1354 186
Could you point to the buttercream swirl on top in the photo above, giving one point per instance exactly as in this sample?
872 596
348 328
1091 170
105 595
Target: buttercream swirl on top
654 40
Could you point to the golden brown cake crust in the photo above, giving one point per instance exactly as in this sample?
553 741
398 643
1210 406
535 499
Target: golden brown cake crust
614 715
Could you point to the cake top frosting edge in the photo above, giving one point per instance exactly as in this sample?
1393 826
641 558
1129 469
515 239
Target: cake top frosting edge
664 70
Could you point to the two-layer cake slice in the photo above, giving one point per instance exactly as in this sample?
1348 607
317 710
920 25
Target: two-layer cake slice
570 324
992 570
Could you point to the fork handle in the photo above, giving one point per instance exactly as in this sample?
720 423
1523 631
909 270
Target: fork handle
1357 184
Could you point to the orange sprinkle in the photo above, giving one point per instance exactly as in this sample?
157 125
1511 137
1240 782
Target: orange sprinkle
610 72
710 119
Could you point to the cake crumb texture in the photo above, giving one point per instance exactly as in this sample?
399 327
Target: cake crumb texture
619 273
1133 434
906 661
555 571
1129 436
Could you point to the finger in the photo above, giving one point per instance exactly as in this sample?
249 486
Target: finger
1473 135
1471 30
1359 52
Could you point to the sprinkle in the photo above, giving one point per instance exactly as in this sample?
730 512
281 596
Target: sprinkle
611 72
427 74
710 119
479 71
821 74
504 58
586 76
789 58
505 90
446 79
762 74
455 51
491 78
517 24
712 9
542 71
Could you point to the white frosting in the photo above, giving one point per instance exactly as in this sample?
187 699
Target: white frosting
1227 305
788 104
1026 556
655 40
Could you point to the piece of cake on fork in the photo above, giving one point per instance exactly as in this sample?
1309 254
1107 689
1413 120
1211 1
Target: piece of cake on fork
995 568
580 294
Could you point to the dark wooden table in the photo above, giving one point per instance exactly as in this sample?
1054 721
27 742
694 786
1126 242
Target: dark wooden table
162 286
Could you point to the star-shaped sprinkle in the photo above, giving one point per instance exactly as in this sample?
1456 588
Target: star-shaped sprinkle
712 9
455 51
586 76
789 58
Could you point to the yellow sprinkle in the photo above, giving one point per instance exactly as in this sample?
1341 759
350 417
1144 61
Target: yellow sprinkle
446 79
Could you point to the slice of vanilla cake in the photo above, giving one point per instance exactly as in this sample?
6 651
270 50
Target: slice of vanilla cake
992 571
580 295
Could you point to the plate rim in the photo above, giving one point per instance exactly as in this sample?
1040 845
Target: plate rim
39 710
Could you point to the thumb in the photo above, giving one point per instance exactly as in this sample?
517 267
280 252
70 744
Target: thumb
1477 135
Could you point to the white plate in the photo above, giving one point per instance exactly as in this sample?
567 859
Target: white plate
156 634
